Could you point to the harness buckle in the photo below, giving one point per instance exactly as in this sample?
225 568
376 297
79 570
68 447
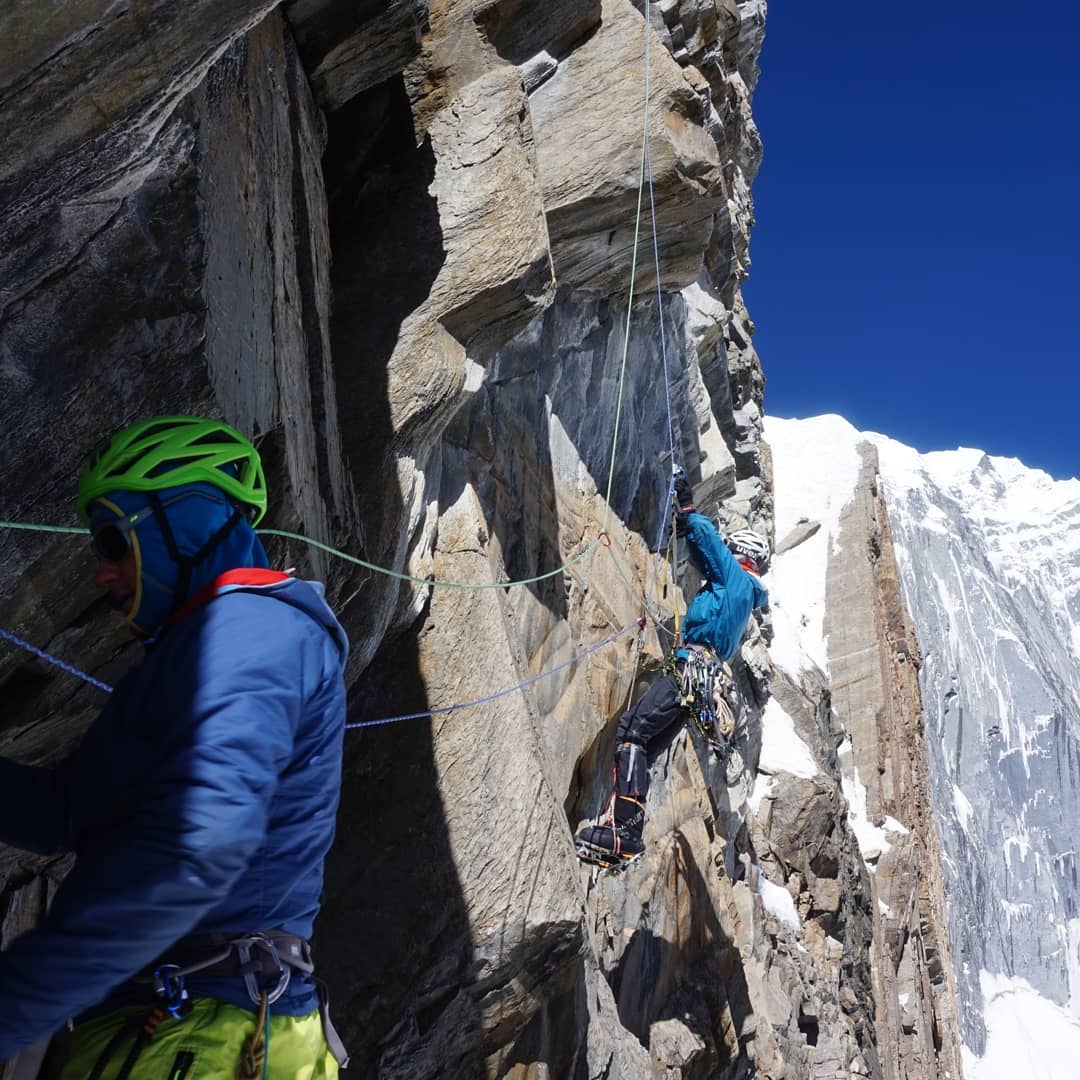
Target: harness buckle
169 986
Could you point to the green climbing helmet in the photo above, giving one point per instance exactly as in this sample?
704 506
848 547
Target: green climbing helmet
167 451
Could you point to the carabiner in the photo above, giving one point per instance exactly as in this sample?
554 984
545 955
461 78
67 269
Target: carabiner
169 986
243 950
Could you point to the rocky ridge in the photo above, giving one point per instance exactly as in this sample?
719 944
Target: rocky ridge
875 693
391 240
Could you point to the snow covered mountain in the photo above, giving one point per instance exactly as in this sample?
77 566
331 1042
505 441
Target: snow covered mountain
988 553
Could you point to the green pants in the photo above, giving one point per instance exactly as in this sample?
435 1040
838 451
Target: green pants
207 1043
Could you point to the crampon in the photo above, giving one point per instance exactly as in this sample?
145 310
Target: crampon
605 859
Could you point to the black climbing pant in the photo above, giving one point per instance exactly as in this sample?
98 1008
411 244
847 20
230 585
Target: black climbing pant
644 731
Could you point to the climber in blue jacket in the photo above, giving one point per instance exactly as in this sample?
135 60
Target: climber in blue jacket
201 802
715 622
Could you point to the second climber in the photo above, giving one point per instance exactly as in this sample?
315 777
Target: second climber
715 622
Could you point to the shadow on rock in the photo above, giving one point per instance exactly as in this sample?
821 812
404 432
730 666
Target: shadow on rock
698 981
393 906
387 251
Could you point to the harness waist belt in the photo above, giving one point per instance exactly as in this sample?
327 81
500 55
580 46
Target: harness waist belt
264 954
210 956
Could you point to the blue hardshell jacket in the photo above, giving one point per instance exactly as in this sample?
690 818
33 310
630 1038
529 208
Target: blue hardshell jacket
718 614
202 799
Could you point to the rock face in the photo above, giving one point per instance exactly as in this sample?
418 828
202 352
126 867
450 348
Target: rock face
990 561
393 240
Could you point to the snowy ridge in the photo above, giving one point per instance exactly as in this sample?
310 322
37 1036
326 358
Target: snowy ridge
989 556
807 488
812 486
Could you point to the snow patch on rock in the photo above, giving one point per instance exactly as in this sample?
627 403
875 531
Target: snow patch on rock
816 486
782 749
777 901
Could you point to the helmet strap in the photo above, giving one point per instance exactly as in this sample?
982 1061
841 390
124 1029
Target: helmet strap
187 563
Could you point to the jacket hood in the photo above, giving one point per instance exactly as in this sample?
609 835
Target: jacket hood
308 597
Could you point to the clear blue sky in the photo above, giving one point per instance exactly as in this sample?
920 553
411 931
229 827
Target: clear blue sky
915 260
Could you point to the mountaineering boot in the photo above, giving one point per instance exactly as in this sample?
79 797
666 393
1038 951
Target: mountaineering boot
615 843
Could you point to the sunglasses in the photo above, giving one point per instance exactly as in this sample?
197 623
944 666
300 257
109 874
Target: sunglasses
110 540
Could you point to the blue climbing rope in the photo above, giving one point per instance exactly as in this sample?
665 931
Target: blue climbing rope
7 635
72 670
447 709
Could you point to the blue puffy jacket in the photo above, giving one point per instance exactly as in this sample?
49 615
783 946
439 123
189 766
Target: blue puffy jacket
718 614
202 799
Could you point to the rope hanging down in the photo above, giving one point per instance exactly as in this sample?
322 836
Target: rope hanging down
447 709
630 292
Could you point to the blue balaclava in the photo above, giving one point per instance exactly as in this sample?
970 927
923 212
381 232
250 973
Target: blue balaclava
209 534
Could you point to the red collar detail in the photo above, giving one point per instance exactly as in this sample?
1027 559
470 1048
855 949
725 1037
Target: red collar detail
241 577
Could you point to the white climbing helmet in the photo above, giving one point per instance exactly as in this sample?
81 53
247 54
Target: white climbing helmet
746 543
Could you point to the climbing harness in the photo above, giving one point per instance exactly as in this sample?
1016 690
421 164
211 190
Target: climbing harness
708 692
143 1029
707 688
251 957
269 954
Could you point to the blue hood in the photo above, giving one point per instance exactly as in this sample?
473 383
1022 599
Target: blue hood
195 512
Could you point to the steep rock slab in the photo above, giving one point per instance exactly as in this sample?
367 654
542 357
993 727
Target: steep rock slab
588 118
204 288
415 298
521 30
86 90
873 662
456 958
498 975
267 273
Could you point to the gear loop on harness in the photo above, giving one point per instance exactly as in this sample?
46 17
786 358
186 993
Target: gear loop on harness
705 685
